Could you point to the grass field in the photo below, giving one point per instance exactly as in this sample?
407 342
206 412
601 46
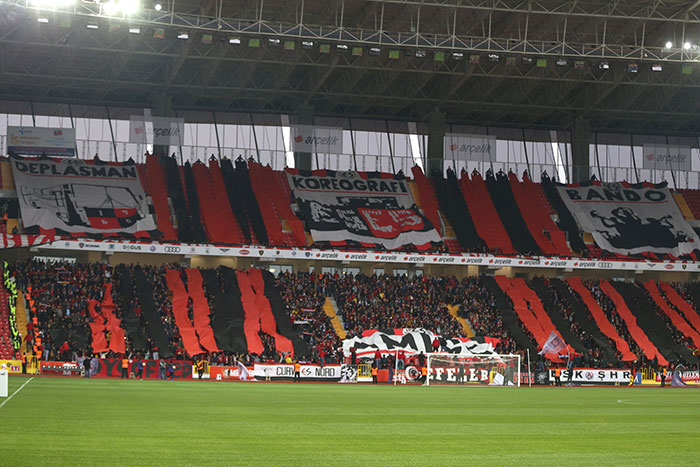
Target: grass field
112 422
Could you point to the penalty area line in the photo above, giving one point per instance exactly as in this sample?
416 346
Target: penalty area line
13 394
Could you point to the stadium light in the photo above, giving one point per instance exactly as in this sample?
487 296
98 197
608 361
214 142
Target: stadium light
129 7
43 20
134 30
158 6
93 26
687 45
52 3
669 44
110 8
234 40
657 68
183 36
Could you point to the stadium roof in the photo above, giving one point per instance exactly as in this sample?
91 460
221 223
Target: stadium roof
531 64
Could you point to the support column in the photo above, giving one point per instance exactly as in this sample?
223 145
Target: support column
436 140
305 116
162 107
580 150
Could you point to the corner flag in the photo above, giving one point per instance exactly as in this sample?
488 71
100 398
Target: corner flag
554 344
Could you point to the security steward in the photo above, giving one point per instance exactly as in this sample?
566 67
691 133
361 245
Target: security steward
297 372
424 374
557 377
125 368
375 371
24 363
663 377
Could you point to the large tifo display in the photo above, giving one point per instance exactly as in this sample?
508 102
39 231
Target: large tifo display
631 219
344 206
77 196
413 341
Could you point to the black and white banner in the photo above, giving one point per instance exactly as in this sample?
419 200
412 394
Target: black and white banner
343 206
628 220
413 341
593 376
272 371
76 196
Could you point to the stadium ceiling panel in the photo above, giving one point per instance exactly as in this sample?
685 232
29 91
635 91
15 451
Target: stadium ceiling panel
627 66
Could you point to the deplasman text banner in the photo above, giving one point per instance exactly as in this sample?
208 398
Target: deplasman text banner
77 196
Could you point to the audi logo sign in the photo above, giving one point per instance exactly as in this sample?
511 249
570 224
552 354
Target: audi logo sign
172 249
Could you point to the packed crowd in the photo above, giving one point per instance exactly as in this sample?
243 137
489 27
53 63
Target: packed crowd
61 291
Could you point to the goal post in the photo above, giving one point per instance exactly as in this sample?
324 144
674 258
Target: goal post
445 369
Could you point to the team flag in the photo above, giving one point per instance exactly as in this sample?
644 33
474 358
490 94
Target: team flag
554 344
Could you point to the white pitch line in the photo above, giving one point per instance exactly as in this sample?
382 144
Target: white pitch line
18 390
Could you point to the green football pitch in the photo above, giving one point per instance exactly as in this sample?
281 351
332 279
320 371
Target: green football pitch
111 422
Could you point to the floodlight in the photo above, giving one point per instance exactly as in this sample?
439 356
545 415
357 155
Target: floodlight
134 30
669 44
158 6
92 26
52 3
657 68
687 45
43 20
183 35
129 7
234 40
110 8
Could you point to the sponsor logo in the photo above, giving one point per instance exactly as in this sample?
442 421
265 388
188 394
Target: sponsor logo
387 257
129 247
529 262
669 266
81 245
327 255
111 246
471 260
445 259
307 254
502 261
224 250
414 259
605 265
586 264
244 252
557 263
153 248
356 256
172 249
261 252
294 253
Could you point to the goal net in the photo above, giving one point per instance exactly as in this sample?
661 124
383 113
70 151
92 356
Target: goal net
458 370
